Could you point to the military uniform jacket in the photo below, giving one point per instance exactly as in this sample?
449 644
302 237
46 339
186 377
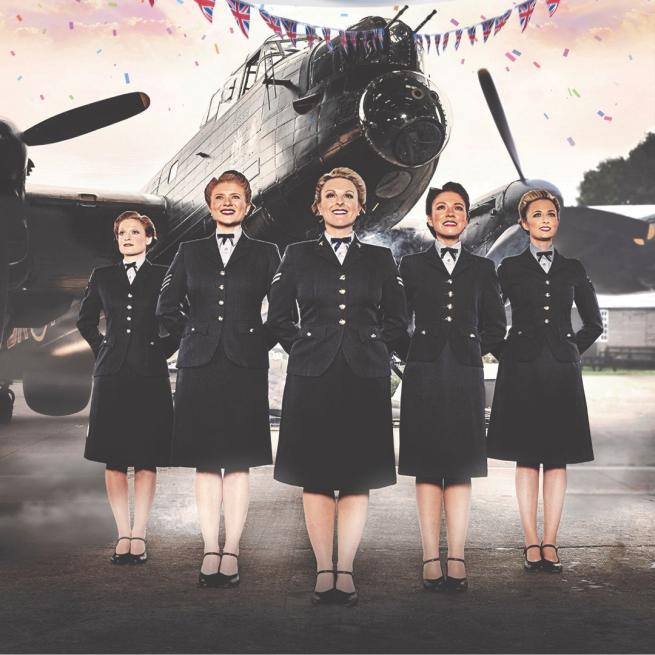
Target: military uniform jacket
132 333
207 303
464 309
541 307
357 307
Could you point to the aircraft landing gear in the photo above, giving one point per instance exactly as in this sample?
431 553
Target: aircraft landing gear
7 397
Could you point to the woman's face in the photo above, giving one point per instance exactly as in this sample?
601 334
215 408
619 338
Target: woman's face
448 218
228 204
339 205
542 220
131 237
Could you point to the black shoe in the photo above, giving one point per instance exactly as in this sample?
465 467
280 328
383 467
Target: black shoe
142 558
434 584
456 584
348 599
546 564
532 565
324 597
209 579
124 558
228 580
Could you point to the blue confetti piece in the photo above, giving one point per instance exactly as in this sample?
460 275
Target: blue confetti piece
98 51
547 116
517 53
19 78
570 140
600 113
127 78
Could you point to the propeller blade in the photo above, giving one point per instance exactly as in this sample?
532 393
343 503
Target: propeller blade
496 109
85 119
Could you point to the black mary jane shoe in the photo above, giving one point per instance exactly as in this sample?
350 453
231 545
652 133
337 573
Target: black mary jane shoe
345 598
228 580
141 558
324 597
434 584
548 565
532 565
206 580
123 558
456 584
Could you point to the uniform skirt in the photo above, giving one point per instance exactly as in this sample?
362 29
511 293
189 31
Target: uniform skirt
336 431
539 412
130 420
221 416
442 419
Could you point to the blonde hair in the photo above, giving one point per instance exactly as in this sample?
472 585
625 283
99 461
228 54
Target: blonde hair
535 194
336 173
148 225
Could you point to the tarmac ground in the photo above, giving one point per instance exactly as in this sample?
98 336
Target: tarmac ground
59 594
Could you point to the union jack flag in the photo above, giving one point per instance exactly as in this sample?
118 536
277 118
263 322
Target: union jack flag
525 13
501 20
379 36
241 12
291 28
471 32
344 40
272 21
207 8
437 39
444 41
353 39
487 26
310 33
427 40
418 39
458 37
552 6
326 35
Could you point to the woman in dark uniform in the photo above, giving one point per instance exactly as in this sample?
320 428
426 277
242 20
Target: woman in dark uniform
336 428
212 297
539 413
459 316
131 408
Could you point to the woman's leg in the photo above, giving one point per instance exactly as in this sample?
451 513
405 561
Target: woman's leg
527 495
352 509
429 496
236 496
209 494
145 483
554 493
320 512
116 483
457 505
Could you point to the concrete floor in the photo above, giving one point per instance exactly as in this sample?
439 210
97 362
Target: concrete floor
58 593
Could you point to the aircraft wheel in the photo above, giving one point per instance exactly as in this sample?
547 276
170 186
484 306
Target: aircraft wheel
7 397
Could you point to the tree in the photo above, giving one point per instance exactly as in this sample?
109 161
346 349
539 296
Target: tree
622 181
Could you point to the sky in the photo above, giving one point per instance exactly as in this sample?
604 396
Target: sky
591 56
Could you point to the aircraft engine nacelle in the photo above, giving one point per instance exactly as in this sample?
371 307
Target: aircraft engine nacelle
404 118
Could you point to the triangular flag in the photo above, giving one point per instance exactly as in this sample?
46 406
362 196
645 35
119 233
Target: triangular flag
207 8
525 10
471 32
501 20
272 21
326 35
552 6
344 40
418 39
310 33
487 26
427 40
437 39
458 37
241 12
444 41
291 28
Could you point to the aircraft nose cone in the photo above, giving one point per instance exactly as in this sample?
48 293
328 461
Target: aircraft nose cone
404 119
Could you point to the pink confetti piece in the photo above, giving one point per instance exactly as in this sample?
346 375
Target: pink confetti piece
461 62
536 64
454 22
169 30
71 25
19 18
566 52
114 32
13 54
197 64
483 17
510 56
570 140
507 68
42 96
607 118
597 37
231 30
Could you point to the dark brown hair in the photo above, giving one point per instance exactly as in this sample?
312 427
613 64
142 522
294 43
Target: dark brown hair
453 187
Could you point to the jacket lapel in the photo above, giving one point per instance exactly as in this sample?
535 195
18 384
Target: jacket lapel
354 253
142 275
323 248
463 262
433 258
557 263
240 250
527 259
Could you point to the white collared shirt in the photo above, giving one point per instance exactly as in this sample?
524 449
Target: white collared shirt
226 249
342 249
448 260
544 262
131 273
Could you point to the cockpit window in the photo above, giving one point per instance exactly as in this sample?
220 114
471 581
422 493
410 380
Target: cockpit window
228 89
213 107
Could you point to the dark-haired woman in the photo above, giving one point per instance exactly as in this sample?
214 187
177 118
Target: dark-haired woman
539 414
131 407
336 428
212 297
458 317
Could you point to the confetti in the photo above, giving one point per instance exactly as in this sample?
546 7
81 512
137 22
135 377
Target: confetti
203 37
597 38
630 57
71 97
396 7
42 96
231 30
575 92
127 78
19 78
566 52
19 17
600 113
461 62
517 53
454 22
169 30
216 48
507 68
197 64
71 25
570 140
536 64
344 13
547 116
607 118
13 54
98 51
483 17
114 32
510 56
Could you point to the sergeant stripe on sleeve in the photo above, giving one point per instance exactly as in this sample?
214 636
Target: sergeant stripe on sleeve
276 278
400 281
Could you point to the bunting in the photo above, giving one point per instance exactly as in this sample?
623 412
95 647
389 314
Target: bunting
437 39
344 40
310 33
291 28
241 12
487 26
207 8
326 35
501 20
427 41
458 38
418 39
471 32
552 6
525 10
272 21
444 41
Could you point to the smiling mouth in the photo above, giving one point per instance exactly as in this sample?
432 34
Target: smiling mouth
544 228
450 224
228 211
340 212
